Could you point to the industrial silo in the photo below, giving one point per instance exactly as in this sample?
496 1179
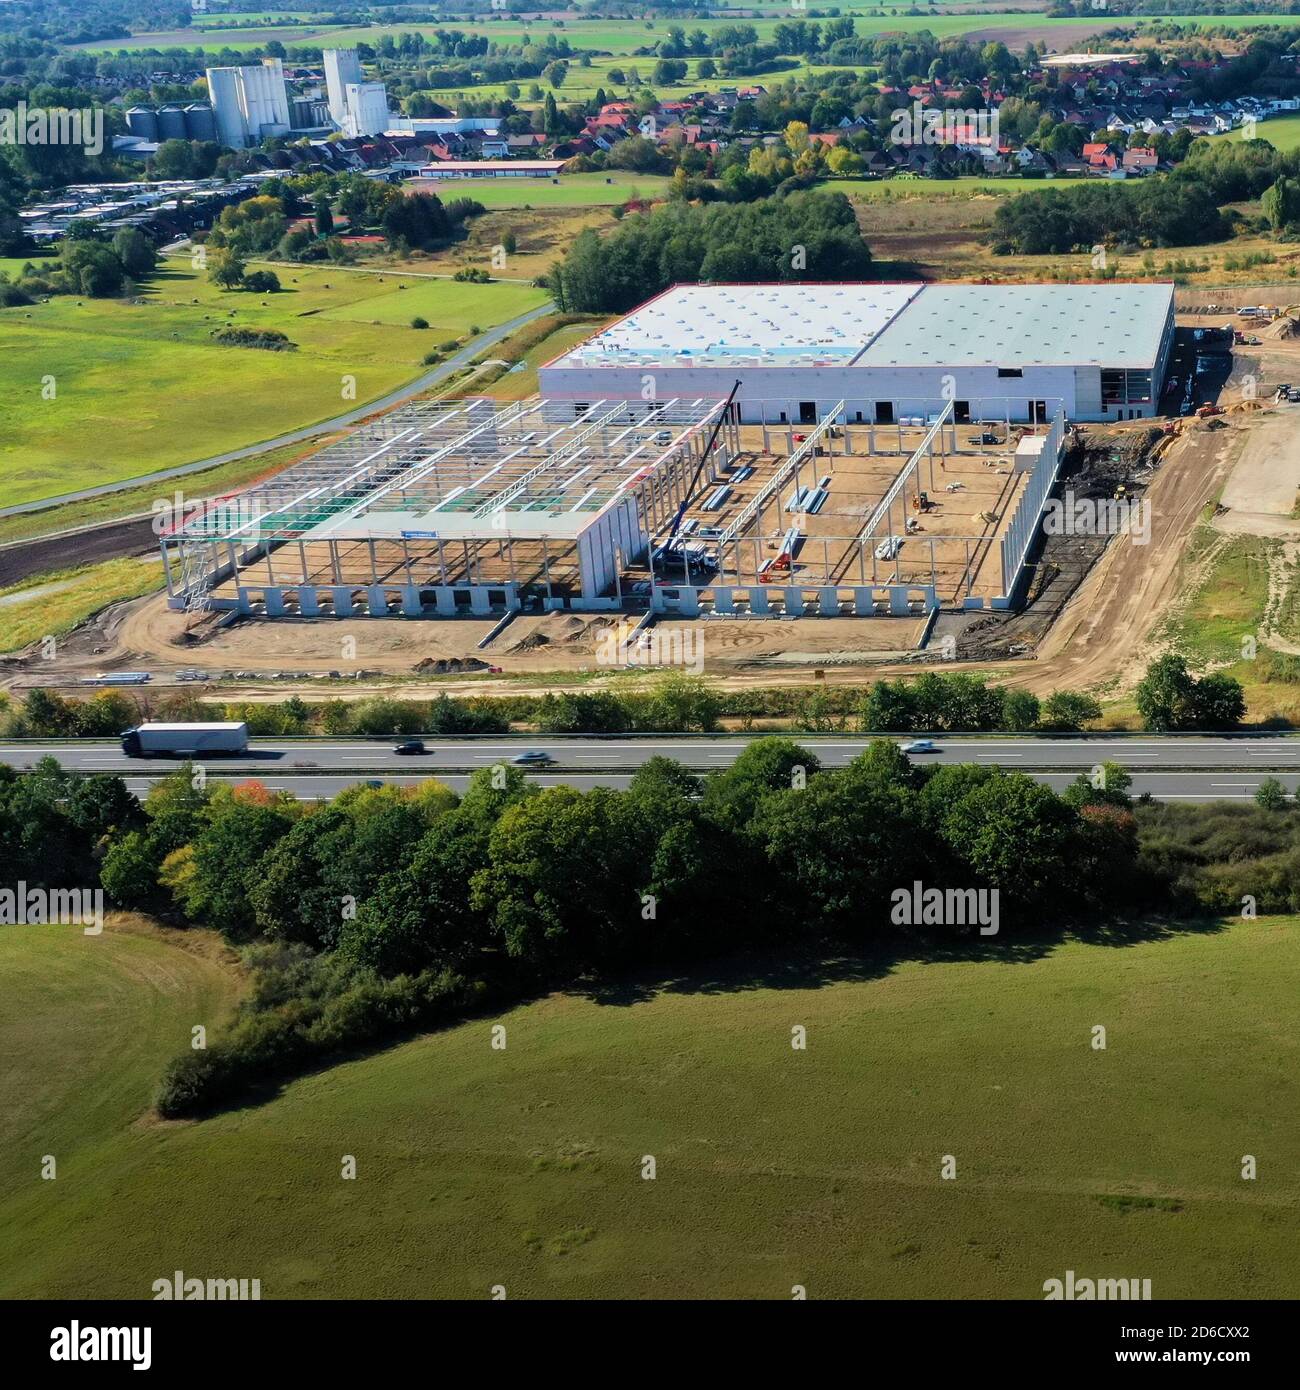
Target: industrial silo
143 122
200 123
171 123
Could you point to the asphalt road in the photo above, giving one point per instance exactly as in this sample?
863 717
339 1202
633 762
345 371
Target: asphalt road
1229 767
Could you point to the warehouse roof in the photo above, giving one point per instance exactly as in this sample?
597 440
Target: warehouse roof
886 325
751 325
1027 326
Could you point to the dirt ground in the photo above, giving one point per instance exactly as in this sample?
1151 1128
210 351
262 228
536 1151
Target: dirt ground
1267 476
1104 638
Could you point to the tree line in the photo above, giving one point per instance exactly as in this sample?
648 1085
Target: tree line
389 909
804 236
1169 698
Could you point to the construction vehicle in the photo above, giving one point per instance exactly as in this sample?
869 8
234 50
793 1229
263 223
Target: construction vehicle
1209 409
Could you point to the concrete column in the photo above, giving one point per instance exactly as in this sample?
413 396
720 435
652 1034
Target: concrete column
377 600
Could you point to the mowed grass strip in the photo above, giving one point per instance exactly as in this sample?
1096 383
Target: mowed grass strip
97 391
775 1167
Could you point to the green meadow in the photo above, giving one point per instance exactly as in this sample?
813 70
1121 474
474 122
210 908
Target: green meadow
896 189
774 1167
1282 132
571 190
95 391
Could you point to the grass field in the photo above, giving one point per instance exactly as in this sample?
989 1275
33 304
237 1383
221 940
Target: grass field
571 190
1282 132
141 386
895 188
53 604
82 1048
613 36
211 482
775 1167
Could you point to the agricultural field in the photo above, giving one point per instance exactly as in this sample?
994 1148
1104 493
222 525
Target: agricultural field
613 36
775 1167
139 386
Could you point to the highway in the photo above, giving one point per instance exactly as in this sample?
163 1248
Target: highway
1223 767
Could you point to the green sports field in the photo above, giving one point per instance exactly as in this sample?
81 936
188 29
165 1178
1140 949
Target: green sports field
139 387
774 1167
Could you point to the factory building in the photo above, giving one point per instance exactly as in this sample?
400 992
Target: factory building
342 67
888 352
356 107
250 104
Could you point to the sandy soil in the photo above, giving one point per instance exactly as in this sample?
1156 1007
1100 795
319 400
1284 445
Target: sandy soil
1267 476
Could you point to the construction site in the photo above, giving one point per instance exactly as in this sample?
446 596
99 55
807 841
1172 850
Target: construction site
469 508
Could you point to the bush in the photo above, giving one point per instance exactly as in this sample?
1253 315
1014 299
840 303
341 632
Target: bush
418 322
262 282
269 339
278 1036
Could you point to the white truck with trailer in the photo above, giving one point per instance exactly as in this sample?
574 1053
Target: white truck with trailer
184 740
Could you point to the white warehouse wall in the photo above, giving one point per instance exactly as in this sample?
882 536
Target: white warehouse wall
767 391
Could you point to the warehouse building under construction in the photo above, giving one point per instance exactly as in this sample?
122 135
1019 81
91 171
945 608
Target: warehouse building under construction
745 450
473 507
